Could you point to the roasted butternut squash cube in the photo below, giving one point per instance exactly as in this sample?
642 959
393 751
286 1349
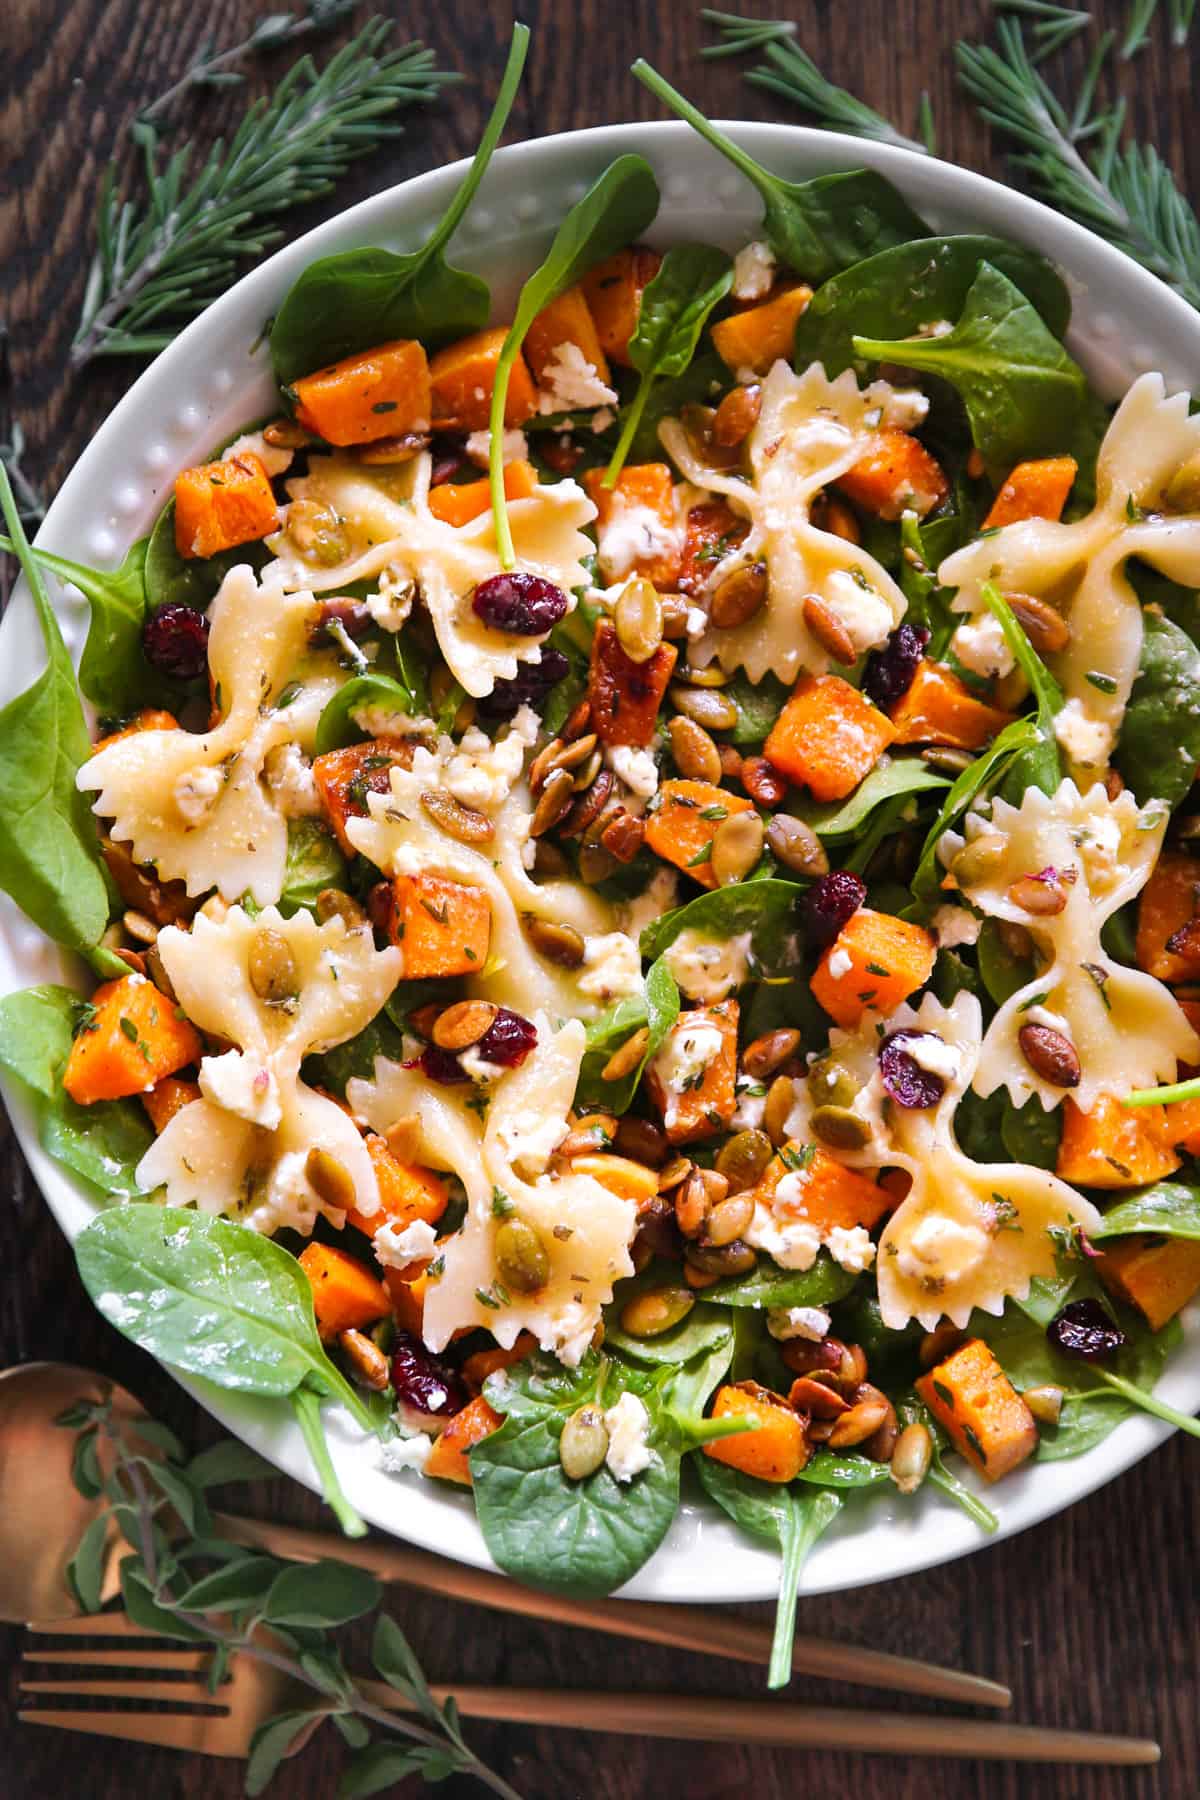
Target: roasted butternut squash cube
130 1038
827 1193
448 1457
972 1398
691 1079
221 504
1157 1275
896 475
151 718
637 531
377 393
1034 490
712 531
1169 902
940 709
346 1296
873 964
458 503
625 695
774 1448
757 336
567 320
443 927
463 376
345 777
407 1191
613 290
828 737
168 1097
682 828
1114 1146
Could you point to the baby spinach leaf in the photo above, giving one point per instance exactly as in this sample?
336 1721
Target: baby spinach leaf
770 1286
616 210
759 704
1023 394
36 1028
359 298
49 852
355 1059
1030 1134
917 284
977 1126
581 1537
218 1300
658 1008
113 673
1159 746
913 1411
1002 972
704 377
829 1470
780 1515
1169 1209
688 1386
314 863
174 580
1022 735
888 780
763 908
675 308
923 547
816 227
704 1326
1040 766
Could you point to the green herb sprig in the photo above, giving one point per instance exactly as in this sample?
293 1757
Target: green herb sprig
214 68
162 257
203 1589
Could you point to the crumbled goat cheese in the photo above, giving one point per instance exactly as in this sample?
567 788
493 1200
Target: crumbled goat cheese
636 768
529 1140
933 1054
515 447
570 383
941 1249
981 647
571 1332
811 1322
697 621
479 1068
603 419
658 898
955 925
196 793
395 1246
793 1245
1087 741
482 773
904 409
291 1202
406 1453
753 272
682 1060
628 1427
840 963
851 1248
1101 847
290 778
391 606
383 722
751 1106
1041 1015
709 968
613 966
240 1084
863 612
633 534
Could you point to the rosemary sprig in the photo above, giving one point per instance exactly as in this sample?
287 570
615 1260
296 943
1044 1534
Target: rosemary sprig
1053 25
1137 30
31 508
792 73
200 1587
738 34
162 259
211 68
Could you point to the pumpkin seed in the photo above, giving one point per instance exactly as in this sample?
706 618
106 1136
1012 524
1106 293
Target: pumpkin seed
626 1058
762 1057
456 820
589 806
836 517
286 434
585 776
736 847
596 864
1051 1055
623 835
157 971
1045 1403
1044 897
828 629
858 1424
738 598
642 1140
728 1220
742 1160
737 415
593 1134
521 1258
332 903
368 1364
677 1170
796 845
639 620
463 1024
1046 629
549 863
946 760
829 1084
696 756
583 1443
713 676
272 968
911 1457
703 1189
329 1179
979 860
707 707
777 1106
736 1258
557 942
553 801
840 1128
139 927
675 616
657 1310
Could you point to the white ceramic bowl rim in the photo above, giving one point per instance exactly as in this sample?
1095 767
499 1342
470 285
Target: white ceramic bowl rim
207 384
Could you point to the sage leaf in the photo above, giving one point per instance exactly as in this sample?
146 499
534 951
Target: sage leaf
393 1657
85 1571
321 1594
377 1768
245 1583
144 1609
272 1742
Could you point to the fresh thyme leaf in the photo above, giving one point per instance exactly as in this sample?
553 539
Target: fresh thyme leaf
164 255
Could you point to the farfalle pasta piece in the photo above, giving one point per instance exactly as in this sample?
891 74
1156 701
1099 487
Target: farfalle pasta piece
1127 1028
584 1230
1079 568
390 530
195 805
810 430
402 838
242 1148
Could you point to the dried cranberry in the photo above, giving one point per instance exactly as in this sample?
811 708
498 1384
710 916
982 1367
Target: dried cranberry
449 455
353 617
1086 1329
903 1077
175 641
889 673
829 902
525 605
508 1039
422 1381
441 1066
528 687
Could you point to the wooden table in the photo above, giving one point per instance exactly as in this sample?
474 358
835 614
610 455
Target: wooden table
1091 1617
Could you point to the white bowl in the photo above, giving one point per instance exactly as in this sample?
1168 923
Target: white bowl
216 376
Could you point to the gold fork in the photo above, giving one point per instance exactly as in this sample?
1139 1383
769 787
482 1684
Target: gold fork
256 1691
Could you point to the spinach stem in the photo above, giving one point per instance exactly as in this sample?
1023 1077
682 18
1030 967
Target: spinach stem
306 1404
1164 1096
754 172
1149 1404
628 431
800 1528
975 1509
454 213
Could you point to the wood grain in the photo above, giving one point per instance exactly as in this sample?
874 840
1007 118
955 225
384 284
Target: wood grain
1091 1616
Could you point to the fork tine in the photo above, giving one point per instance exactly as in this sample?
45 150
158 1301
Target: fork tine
194 1692
183 1660
174 1731
109 1624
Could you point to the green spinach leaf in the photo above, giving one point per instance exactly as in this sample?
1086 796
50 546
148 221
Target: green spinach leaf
49 852
220 1301
676 306
889 780
771 1286
816 227
766 909
778 1514
1001 971
1159 746
113 673
913 1411
1041 765
828 1469
1024 396
1022 735
704 378
922 549
1168 1209
314 863
658 1008
917 284
704 1327
616 210
359 298
759 704
355 1059
174 580
1031 1135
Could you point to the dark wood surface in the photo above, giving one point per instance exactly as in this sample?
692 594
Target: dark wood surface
1091 1617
